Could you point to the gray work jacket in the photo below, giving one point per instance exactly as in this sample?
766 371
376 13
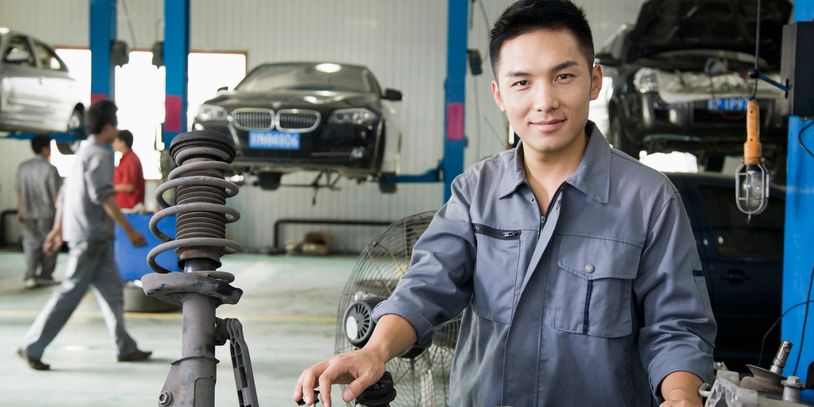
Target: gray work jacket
84 193
38 184
591 305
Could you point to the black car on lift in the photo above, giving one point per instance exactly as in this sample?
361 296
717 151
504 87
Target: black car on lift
680 77
304 116
743 264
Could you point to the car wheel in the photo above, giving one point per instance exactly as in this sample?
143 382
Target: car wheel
269 181
75 128
619 138
388 188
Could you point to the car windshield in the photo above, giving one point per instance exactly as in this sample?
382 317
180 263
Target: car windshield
327 77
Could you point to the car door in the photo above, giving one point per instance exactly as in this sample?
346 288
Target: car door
744 267
23 104
57 86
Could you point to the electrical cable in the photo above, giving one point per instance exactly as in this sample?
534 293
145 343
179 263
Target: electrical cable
774 325
757 52
129 22
800 137
805 321
485 16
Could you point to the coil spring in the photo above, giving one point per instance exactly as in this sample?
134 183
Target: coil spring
200 203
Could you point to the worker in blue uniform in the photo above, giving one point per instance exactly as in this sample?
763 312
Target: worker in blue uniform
573 264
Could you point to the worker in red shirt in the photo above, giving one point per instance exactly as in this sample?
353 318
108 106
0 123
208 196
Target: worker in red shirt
128 178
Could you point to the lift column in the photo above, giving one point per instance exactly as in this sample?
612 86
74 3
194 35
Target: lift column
176 51
798 256
102 34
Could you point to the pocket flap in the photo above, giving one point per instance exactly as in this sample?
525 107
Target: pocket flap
595 258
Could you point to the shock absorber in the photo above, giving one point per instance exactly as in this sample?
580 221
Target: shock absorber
201 216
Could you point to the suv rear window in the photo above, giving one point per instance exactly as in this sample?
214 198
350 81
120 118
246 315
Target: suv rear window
760 237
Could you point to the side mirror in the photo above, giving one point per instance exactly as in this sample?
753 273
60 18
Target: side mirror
18 56
223 89
607 59
392 94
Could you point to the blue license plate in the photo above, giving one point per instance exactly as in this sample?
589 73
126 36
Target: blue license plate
274 140
727 104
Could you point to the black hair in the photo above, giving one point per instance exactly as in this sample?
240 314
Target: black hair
126 136
40 142
526 16
99 114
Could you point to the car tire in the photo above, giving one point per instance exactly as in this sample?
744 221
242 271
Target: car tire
76 128
269 181
619 137
388 187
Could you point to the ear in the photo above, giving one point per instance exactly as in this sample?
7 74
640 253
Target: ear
498 97
596 81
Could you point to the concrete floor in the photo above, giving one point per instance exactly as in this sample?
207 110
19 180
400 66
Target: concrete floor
287 310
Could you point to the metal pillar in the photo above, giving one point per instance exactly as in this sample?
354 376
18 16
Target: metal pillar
176 51
798 256
455 93
102 35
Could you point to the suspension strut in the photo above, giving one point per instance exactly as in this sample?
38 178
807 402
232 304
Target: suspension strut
201 217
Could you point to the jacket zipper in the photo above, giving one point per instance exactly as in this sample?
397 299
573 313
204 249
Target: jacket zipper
496 233
548 212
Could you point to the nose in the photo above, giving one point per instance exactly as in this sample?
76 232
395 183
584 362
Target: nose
545 98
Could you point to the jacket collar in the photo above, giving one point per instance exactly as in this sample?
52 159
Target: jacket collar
592 177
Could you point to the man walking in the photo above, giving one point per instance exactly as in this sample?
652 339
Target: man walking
37 187
84 218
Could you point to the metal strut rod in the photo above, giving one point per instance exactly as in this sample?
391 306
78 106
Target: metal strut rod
201 218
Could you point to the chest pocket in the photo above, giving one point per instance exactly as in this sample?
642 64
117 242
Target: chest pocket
589 291
495 272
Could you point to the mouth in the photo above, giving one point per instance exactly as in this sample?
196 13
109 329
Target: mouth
548 126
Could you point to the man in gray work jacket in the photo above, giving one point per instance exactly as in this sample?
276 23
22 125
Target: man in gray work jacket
37 186
573 264
85 215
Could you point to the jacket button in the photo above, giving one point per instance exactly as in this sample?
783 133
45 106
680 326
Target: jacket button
589 268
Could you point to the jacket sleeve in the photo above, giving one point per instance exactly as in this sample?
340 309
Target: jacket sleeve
678 329
438 284
99 178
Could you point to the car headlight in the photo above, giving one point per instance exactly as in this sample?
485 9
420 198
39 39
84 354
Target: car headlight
357 116
211 113
646 80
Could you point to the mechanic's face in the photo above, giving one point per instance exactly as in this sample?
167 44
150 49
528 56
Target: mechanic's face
544 85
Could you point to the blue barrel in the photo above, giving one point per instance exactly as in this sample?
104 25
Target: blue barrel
132 261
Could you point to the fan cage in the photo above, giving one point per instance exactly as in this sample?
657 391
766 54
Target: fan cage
422 380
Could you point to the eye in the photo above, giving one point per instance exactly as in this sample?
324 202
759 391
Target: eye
522 82
564 76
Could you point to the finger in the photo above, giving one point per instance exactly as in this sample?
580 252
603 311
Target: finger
298 389
308 384
357 387
326 379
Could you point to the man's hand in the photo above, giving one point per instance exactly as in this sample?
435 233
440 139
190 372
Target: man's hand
680 389
136 238
53 241
358 369
19 216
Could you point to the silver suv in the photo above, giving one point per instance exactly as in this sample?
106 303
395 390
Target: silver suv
37 94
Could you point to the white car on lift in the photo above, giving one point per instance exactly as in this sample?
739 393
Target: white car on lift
37 94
